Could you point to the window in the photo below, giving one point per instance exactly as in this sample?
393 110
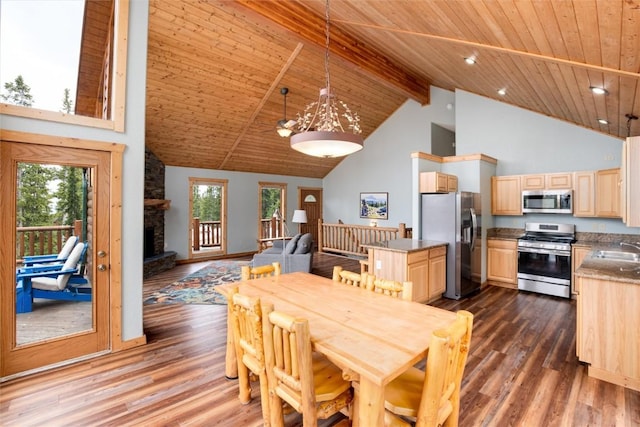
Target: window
272 212
208 230
91 64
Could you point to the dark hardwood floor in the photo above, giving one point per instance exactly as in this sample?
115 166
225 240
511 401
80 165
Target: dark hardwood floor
522 371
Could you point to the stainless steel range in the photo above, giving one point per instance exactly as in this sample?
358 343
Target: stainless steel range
544 258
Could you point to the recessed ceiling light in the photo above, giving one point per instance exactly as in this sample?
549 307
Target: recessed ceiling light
598 90
502 92
603 121
470 60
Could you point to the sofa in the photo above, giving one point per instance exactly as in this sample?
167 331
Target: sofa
298 254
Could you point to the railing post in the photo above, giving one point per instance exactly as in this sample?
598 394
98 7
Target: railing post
196 234
77 229
273 232
320 238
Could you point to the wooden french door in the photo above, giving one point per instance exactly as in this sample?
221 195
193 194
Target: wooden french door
310 199
19 351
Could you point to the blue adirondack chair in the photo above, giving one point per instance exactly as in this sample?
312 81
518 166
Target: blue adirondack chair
58 258
57 281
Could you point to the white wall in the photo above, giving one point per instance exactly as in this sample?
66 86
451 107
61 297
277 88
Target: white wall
522 141
526 142
384 164
133 168
242 206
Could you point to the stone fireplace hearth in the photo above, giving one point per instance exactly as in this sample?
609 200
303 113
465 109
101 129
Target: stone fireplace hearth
156 258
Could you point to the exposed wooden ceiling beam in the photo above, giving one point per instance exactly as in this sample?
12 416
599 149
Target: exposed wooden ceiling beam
266 96
302 21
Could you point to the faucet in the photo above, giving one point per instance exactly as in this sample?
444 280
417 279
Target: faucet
635 245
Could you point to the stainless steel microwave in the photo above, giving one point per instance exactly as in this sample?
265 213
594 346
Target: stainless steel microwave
547 201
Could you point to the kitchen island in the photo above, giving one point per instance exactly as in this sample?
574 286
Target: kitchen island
607 332
422 262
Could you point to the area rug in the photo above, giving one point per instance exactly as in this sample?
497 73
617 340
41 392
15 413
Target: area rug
199 287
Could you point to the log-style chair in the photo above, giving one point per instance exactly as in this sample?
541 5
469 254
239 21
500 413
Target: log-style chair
307 381
246 317
402 290
247 272
359 280
432 398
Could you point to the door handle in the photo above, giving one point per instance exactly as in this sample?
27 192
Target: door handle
102 267
102 254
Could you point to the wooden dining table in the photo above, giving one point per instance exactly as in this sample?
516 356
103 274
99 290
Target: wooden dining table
372 337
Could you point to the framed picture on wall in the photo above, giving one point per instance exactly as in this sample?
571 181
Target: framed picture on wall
374 205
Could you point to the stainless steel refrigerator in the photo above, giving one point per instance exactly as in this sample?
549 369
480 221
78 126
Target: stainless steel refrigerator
452 218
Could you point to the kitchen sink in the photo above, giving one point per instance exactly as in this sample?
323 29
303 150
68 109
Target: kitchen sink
618 255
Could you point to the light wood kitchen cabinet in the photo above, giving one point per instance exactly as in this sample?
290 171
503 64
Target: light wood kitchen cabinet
584 203
437 271
558 181
532 182
608 193
549 181
438 182
607 330
502 263
506 195
417 272
630 174
421 262
578 254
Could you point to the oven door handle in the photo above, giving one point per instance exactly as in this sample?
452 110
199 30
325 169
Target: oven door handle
544 251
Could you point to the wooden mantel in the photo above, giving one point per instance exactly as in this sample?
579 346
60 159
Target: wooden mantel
158 203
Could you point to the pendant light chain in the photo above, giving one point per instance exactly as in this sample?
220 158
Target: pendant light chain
320 131
326 52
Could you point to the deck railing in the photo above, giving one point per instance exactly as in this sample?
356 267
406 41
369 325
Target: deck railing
346 239
209 234
44 240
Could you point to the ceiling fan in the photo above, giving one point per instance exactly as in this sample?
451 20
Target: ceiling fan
284 126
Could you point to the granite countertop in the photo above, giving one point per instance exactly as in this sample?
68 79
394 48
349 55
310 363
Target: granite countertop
609 269
405 245
505 233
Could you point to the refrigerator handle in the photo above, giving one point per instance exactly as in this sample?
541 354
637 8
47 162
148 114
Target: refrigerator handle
474 228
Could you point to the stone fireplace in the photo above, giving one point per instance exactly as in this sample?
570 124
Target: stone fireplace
156 259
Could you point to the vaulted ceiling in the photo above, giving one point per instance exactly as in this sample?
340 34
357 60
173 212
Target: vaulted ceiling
215 68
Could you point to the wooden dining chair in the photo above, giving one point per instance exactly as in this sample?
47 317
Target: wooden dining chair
347 277
402 290
306 380
247 272
432 397
246 315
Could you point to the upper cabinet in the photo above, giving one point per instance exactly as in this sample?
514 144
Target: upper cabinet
438 182
597 193
506 195
584 193
630 177
550 181
608 193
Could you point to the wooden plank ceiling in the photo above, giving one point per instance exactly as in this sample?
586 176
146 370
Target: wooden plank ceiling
215 68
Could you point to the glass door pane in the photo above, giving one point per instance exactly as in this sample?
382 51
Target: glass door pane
51 237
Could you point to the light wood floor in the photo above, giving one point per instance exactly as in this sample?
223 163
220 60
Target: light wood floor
522 371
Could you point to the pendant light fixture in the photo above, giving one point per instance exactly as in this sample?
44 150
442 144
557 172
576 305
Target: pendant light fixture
284 126
320 130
